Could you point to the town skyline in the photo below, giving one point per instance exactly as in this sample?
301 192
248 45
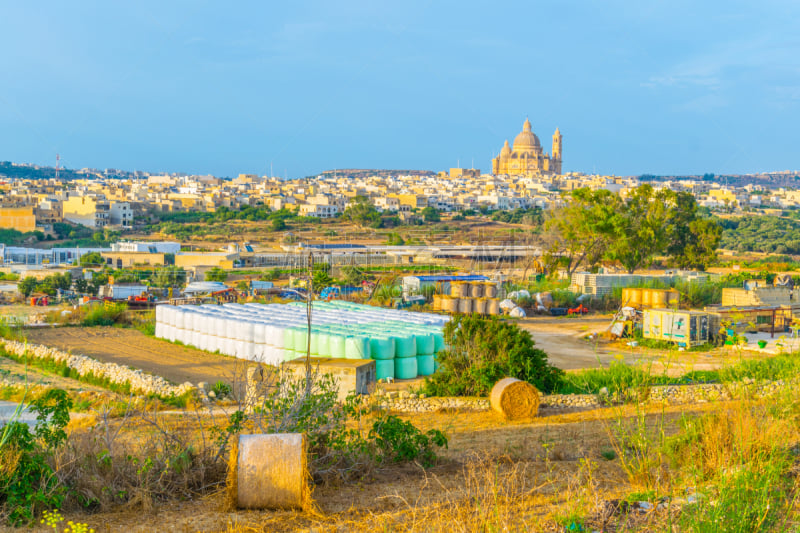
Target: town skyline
666 89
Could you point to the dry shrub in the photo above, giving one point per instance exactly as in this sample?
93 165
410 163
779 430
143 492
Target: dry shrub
742 433
139 460
490 495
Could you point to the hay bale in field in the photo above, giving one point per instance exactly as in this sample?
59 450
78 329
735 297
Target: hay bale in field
269 472
515 399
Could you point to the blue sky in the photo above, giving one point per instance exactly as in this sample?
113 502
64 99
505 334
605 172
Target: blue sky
210 87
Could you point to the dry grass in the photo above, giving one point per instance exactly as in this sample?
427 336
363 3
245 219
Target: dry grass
497 475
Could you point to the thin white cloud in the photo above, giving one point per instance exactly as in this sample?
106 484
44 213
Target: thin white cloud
712 69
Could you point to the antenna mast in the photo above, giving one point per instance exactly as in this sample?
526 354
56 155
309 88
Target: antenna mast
58 161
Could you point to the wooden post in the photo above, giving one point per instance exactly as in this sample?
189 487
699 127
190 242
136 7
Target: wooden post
772 335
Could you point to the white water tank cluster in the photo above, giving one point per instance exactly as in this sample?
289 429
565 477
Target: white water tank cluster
403 343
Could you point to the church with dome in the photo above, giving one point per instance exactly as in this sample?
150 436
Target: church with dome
526 158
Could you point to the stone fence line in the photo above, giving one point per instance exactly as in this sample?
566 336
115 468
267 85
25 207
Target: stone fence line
138 380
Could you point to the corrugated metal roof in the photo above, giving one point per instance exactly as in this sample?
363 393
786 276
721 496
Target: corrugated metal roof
450 278
334 246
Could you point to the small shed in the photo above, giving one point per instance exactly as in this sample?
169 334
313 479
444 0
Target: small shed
125 291
352 375
686 328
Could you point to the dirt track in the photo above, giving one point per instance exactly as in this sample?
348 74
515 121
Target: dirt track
563 339
132 348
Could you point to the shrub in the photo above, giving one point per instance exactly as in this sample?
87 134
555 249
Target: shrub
221 389
28 483
107 314
338 442
484 350
400 441
216 274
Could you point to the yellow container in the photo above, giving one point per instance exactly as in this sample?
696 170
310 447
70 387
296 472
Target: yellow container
449 304
647 298
480 305
490 290
457 289
476 289
661 298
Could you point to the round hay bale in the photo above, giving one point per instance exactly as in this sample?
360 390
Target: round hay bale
269 472
515 399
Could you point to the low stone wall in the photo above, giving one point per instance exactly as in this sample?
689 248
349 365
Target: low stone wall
139 381
406 402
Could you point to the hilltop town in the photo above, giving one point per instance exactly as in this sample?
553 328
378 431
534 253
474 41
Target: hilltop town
405 302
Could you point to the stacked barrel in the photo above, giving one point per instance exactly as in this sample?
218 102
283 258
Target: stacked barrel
469 297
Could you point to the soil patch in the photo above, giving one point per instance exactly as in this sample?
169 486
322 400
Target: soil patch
132 348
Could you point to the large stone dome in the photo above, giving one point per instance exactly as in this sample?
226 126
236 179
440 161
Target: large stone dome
527 141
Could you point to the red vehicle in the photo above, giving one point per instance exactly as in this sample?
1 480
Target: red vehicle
580 310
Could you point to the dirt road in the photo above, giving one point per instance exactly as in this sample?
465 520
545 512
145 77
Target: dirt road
132 348
563 339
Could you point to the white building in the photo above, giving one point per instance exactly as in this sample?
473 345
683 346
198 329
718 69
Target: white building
163 247
120 214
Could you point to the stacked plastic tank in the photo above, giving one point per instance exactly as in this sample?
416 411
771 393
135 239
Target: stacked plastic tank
403 343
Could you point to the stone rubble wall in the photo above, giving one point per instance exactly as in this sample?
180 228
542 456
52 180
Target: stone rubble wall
139 381
405 402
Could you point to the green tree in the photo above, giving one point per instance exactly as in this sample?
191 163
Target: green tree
91 259
351 275
692 241
640 227
701 250
278 224
216 274
169 276
431 214
583 229
52 283
27 286
362 212
321 279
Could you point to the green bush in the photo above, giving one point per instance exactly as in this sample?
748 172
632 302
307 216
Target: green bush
106 314
221 389
336 441
28 483
216 274
482 351
400 441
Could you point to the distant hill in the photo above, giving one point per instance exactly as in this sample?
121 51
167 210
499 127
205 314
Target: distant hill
770 180
366 172
35 172
10 170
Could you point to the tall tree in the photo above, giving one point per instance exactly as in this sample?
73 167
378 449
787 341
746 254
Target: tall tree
584 228
640 227
362 212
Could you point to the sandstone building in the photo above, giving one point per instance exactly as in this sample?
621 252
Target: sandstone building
526 157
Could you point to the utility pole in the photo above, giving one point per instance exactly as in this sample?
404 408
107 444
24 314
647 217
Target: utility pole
309 296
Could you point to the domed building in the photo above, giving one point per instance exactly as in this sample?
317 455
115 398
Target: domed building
526 157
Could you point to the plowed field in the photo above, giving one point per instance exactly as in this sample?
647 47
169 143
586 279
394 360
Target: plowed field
132 348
